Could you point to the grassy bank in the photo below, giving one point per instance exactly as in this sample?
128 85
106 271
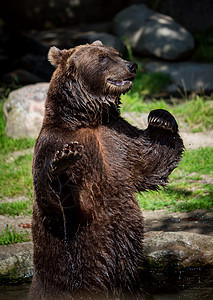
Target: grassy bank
15 175
190 185
10 235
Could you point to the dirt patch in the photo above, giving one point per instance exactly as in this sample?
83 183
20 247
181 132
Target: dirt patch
198 221
20 223
12 156
191 140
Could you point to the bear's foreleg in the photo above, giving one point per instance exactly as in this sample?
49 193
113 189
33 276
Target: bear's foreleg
160 151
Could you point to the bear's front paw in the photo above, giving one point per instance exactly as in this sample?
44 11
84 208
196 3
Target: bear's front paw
163 119
65 157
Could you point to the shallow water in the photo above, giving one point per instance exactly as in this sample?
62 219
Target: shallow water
190 285
17 292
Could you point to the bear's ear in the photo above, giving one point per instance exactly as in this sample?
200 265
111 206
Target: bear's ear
97 43
55 55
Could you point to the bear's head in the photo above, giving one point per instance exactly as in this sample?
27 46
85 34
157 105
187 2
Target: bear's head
99 70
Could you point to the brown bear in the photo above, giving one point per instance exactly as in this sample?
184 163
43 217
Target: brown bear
88 162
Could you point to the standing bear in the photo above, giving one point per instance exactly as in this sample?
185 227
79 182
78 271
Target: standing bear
88 163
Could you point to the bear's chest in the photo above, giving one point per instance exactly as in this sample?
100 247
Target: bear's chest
103 148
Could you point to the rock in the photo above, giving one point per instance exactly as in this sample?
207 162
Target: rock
37 65
186 76
53 13
194 15
178 250
106 38
21 77
16 263
23 110
66 38
162 250
151 33
27 64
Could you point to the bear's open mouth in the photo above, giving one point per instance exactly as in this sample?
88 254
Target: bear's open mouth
120 82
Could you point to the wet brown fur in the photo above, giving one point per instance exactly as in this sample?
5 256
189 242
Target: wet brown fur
87 225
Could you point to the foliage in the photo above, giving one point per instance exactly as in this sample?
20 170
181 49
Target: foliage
136 103
150 83
203 47
12 236
197 113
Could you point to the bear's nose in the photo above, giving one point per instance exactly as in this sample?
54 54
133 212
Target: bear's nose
132 67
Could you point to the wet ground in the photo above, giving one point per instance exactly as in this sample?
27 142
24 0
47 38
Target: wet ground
198 221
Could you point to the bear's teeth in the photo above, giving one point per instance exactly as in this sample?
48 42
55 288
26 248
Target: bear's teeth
118 82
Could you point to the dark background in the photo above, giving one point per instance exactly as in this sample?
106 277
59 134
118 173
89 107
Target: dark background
194 15
27 28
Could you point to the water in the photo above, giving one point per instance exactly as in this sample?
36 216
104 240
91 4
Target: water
17 292
189 285
193 284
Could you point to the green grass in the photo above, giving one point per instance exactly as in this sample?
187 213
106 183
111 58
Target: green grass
12 236
16 178
136 103
190 185
196 112
199 161
15 175
16 208
150 83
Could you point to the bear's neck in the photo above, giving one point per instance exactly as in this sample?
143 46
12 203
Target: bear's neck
69 104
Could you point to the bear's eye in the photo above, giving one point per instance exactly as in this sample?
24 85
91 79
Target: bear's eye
102 58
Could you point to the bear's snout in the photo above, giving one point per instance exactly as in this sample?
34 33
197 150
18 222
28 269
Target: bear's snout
132 67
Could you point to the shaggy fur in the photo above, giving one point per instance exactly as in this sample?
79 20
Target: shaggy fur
88 163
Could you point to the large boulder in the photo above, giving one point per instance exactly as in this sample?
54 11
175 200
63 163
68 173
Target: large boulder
194 15
178 249
16 263
162 250
24 110
152 33
106 38
185 76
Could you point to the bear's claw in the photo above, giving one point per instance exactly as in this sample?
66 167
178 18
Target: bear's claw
71 150
163 119
65 157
